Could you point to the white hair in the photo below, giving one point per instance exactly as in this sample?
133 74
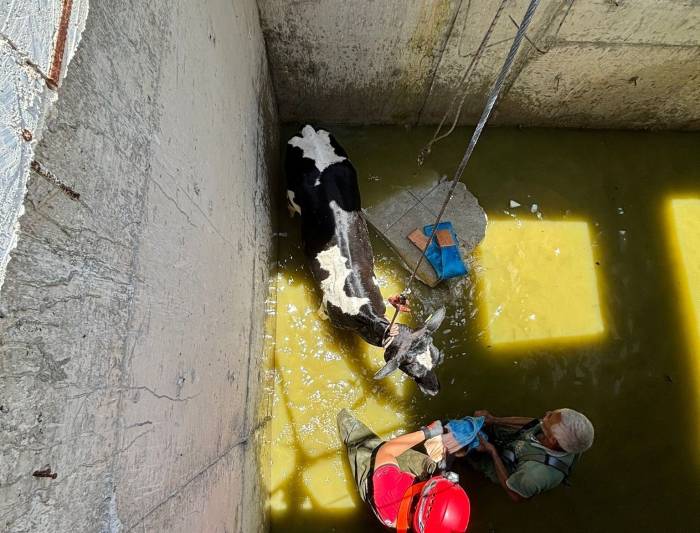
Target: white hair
574 432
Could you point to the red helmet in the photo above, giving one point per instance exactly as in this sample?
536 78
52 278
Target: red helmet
443 507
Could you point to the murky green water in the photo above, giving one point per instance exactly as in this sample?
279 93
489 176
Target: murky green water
636 382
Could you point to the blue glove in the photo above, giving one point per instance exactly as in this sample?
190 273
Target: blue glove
464 433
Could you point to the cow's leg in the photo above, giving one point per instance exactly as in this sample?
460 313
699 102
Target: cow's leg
322 311
292 206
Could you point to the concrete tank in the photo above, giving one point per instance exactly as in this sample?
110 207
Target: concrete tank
132 318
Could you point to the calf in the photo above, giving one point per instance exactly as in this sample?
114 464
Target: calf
322 188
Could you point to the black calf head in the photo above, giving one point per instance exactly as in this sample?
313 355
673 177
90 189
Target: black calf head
414 353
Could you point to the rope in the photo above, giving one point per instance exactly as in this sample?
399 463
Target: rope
527 38
490 102
472 65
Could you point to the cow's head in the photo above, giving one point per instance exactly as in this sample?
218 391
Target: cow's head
414 353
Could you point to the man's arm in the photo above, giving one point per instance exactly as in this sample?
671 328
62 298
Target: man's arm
509 421
391 449
501 470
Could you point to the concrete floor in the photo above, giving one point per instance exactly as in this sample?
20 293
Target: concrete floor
131 329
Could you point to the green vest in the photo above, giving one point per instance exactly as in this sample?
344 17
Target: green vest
532 468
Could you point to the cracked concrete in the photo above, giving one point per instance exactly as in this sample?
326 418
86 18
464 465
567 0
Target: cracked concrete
37 42
131 335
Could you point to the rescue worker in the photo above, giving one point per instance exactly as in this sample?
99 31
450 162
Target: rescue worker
399 484
527 456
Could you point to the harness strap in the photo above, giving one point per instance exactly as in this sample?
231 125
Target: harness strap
508 455
549 460
543 458
531 424
403 523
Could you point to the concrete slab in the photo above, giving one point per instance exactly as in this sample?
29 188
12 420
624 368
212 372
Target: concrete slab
415 216
395 218
464 211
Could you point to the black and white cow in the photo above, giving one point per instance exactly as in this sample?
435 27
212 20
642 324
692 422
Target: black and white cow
322 188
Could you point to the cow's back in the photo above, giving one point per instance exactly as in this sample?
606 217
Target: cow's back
322 187
319 175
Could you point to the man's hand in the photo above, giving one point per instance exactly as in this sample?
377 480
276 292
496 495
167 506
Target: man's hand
432 430
485 446
488 417
435 448
400 302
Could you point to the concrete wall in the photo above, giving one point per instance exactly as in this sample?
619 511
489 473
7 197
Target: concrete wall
131 320
37 42
592 63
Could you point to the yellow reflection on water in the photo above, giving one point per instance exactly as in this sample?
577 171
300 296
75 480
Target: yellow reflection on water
684 222
318 371
538 282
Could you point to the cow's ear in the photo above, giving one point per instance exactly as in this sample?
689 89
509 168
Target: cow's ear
435 320
436 355
388 368
429 383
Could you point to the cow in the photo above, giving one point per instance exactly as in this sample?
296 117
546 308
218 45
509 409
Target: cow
322 187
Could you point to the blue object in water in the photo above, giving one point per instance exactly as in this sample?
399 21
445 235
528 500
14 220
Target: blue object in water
446 260
466 431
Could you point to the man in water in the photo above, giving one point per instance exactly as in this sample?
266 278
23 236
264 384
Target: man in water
527 456
399 483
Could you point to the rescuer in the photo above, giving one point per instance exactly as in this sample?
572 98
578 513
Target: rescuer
528 456
400 484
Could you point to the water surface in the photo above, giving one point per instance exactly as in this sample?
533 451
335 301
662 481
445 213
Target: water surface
585 302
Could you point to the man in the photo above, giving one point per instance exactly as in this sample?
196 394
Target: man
528 456
399 483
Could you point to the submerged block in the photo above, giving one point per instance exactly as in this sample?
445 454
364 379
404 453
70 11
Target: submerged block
538 281
396 217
